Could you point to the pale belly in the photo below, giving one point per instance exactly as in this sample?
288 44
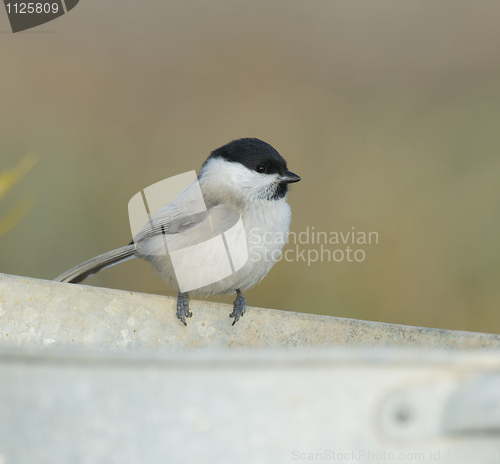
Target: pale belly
265 233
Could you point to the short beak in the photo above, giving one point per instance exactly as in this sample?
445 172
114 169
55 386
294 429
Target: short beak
289 177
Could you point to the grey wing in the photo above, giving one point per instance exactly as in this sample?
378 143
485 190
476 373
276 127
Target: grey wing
167 222
187 209
176 230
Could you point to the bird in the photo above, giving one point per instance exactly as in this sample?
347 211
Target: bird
245 180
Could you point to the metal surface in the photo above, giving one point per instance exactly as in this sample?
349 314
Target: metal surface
227 406
39 313
92 375
475 407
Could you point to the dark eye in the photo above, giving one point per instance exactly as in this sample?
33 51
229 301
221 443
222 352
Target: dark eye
260 169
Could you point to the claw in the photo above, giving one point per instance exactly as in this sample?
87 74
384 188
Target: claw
239 307
183 307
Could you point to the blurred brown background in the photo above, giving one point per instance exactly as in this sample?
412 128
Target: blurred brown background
389 110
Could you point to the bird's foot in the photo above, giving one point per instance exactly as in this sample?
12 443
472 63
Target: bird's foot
183 307
239 306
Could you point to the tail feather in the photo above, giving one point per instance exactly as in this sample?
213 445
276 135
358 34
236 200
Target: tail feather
86 269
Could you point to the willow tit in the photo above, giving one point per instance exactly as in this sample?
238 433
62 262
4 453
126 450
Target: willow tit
246 178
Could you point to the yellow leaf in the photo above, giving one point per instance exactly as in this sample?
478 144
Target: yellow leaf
10 178
7 181
14 216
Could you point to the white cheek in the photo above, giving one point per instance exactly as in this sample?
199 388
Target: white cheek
254 181
239 179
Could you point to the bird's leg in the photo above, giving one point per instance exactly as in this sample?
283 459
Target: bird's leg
183 307
239 306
